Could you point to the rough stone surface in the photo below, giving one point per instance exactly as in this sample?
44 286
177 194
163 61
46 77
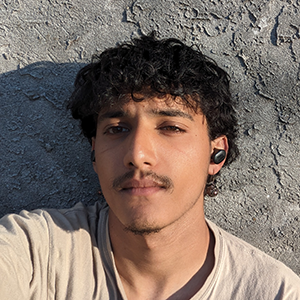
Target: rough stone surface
45 160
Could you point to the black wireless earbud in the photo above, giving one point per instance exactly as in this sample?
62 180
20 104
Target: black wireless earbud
218 156
93 156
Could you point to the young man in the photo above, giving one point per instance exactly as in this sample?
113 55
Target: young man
161 123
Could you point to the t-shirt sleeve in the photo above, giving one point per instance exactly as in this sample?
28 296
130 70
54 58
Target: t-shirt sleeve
24 250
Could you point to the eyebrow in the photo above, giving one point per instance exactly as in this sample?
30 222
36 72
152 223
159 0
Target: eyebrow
157 112
172 113
111 115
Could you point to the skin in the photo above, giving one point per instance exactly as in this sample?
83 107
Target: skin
152 160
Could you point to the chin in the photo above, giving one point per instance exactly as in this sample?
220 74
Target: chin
143 230
144 226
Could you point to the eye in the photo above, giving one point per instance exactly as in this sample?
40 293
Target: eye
172 128
112 130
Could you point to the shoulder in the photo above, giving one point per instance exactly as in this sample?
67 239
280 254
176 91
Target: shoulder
42 222
77 217
51 250
253 269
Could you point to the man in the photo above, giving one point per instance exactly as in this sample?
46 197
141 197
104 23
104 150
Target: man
161 123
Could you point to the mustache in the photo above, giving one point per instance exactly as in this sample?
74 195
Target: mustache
162 180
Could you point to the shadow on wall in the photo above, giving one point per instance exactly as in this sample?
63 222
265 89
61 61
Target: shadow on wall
45 160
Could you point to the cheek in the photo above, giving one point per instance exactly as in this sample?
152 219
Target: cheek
191 166
107 158
101 165
108 167
193 155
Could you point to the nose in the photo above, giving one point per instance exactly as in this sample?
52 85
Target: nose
140 149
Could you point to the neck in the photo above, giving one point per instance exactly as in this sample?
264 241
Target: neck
174 261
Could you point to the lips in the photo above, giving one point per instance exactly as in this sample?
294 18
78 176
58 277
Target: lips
143 187
140 184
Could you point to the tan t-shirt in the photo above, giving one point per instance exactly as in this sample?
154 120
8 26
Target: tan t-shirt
66 254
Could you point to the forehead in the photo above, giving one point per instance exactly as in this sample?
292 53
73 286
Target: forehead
167 106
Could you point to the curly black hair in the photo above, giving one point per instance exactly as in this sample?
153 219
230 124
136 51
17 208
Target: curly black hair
153 67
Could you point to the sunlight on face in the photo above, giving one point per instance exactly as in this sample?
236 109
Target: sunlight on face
152 160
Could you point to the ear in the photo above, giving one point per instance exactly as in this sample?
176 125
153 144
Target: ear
93 149
220 143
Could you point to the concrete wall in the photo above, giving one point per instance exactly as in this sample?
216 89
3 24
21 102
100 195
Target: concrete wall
45 160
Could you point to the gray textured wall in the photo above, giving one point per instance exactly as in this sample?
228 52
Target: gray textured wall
45 160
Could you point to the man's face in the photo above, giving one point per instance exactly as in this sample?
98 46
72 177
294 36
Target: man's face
152 160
